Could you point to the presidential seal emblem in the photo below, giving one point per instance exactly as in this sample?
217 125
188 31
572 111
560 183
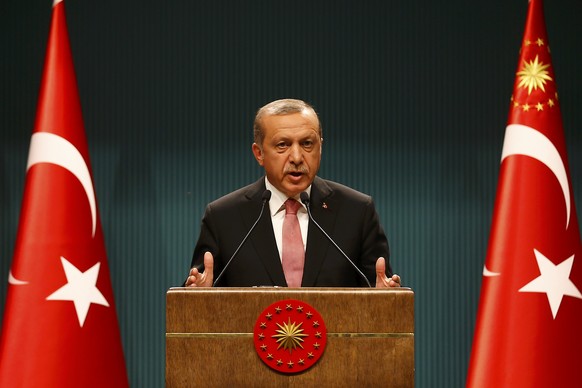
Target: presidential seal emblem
290 336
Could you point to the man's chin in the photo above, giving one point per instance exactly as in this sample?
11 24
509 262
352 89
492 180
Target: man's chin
294 189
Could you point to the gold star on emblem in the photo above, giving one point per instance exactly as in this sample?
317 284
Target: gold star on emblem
525 107
315 323
263 325
309 315
290 336
310 355
300 309
279 362
290 364
539 106
278 310
289 307
264 348
301 361
533 75
269 316
540 42
318 334
261 336
316 345
269 356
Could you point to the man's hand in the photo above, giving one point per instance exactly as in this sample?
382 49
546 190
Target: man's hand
381 280
204 279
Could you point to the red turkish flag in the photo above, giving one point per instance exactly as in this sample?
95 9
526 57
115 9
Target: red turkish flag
529 323
60 325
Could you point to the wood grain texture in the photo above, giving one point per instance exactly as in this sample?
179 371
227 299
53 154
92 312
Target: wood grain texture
209 339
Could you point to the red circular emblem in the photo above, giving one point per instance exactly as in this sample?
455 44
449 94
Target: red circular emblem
290 336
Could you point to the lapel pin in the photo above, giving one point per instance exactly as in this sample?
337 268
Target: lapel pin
324 205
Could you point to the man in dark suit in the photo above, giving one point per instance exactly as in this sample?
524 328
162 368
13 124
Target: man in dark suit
287 143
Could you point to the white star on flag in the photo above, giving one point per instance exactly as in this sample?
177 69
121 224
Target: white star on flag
554 281
80 289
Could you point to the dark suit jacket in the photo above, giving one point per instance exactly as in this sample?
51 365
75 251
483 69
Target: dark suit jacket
348 216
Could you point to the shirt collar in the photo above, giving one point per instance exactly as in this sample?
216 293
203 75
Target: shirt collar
278 199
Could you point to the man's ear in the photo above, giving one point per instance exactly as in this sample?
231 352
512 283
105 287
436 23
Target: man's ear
258 152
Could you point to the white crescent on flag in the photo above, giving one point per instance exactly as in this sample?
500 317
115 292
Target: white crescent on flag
523 140
527 141
15 282
488 273
50 148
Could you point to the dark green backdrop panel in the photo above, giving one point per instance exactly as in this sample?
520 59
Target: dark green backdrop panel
413 96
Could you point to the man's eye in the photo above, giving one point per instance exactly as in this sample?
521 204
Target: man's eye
281 145
308 143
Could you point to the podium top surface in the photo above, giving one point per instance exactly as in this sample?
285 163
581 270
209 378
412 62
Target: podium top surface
228 309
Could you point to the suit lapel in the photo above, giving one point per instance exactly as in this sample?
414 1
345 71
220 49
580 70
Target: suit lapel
323 208
263 237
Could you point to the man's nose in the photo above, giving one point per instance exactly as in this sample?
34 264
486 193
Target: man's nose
295 154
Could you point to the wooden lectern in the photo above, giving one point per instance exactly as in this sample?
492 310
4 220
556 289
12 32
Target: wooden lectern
209 337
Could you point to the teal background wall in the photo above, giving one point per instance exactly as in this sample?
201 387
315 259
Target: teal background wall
413 96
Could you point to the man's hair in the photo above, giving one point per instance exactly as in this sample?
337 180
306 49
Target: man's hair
280 107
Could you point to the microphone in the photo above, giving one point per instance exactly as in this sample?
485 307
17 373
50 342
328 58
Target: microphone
266 197
305 199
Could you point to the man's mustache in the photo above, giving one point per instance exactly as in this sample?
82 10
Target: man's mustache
300 169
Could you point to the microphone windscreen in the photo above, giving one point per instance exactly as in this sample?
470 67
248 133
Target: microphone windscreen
267 195
304 198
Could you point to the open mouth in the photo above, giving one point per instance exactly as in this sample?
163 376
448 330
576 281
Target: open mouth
295 176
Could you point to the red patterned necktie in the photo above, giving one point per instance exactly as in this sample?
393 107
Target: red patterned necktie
293 255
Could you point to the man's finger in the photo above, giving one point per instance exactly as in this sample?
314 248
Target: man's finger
208 262
381 279
381 267
394 281
209 268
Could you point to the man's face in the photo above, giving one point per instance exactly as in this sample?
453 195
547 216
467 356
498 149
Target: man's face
291 150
